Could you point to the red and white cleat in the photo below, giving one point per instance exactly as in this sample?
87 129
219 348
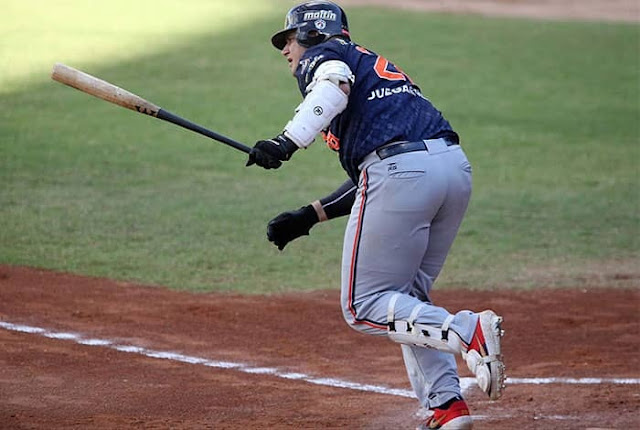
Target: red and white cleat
484 357
455 417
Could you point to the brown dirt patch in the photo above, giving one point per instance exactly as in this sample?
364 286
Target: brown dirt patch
50 383
585 10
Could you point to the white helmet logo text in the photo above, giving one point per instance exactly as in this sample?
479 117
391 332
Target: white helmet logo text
320 14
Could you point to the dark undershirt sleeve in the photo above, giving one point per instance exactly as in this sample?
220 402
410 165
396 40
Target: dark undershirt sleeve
339 202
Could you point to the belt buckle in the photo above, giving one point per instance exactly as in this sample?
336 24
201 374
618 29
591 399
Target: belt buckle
436 146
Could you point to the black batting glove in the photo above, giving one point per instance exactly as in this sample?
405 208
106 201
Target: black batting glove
272 152
290 225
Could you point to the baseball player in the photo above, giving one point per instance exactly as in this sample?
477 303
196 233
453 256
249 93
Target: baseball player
408 186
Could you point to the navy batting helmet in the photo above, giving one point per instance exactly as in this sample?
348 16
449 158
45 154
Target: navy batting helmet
314 22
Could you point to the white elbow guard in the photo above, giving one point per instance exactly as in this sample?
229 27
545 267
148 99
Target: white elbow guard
315 113
335 71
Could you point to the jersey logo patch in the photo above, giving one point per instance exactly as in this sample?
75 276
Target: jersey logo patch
332 141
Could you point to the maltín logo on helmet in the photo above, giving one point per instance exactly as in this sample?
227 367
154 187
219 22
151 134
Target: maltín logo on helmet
320 14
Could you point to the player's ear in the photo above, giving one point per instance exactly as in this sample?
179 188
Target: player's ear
315 37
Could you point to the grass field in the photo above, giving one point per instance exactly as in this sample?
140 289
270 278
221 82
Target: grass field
549 115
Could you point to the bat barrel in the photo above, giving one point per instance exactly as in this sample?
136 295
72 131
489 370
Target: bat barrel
113 94
102 89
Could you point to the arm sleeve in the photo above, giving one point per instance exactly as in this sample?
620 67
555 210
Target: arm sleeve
336 204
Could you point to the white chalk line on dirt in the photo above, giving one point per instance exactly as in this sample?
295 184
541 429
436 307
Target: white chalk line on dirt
465 383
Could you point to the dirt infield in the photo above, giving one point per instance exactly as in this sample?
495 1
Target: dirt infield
79 352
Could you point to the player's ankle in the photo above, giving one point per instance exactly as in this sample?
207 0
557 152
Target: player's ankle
448 403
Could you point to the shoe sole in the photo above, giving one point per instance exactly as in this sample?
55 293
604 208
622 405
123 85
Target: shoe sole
459 423
489 369
492 329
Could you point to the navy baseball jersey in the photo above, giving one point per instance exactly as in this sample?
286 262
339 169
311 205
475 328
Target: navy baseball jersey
384 104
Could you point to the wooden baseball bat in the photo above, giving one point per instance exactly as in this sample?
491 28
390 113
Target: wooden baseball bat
109 92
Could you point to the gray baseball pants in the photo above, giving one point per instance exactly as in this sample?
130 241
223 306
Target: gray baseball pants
406 215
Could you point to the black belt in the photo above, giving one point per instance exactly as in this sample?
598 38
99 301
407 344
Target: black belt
391 149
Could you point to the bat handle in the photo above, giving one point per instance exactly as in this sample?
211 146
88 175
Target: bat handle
175 119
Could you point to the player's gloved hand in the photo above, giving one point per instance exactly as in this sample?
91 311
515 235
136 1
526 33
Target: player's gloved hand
290 225
272 152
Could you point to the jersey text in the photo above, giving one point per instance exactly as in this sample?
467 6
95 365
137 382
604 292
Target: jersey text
386 92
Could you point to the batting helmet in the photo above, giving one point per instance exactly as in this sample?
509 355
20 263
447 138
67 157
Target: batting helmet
314 22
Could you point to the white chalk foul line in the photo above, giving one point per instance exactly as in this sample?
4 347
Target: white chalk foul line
465 383
580 381
189 359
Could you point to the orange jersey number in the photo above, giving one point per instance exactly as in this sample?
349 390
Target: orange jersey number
382 68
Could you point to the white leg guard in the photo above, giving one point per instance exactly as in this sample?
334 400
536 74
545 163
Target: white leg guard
411 333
